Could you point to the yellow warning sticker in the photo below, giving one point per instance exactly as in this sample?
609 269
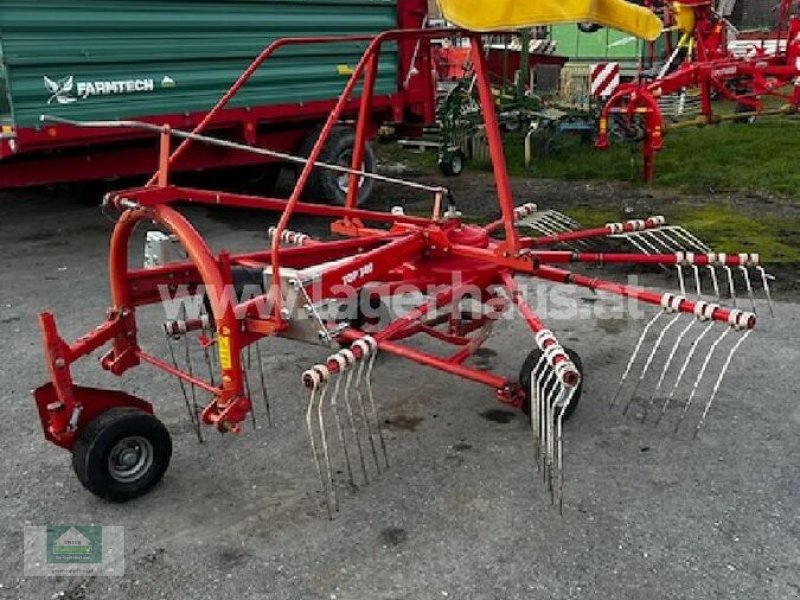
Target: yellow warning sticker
225 360
344 69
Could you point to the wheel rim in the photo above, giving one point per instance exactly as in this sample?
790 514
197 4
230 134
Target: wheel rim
457 164
130 459
343 181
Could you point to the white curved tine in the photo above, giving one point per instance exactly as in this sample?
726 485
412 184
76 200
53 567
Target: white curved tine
720 377
681 279
714 281
650 357
364 417
662 237
373 405
765 282
697 244
667 365
536 398
318 392
731 284
348 407
560 449
333 499
695 344
700 376
633 357
334 402
697 285
748 286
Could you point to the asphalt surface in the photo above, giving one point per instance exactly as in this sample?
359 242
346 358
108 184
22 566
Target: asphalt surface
461 513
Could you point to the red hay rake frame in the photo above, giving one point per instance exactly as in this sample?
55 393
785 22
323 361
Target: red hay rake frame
714 70
392 249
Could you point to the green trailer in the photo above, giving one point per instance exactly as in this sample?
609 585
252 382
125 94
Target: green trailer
601 46
169 62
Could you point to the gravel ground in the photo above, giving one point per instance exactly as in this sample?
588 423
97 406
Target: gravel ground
461 513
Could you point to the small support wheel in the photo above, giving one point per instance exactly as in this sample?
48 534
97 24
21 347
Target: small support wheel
451 163
121 454
525 380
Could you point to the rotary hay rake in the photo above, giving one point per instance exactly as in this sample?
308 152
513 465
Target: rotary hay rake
305 289
703 60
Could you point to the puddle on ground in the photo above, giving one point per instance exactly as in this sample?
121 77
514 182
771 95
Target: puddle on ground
403 422
498 415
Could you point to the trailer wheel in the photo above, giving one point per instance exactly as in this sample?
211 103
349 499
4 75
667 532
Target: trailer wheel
742 108
121 454
525 380
325 184
451 164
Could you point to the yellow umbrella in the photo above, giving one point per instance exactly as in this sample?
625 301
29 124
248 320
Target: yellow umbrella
488 15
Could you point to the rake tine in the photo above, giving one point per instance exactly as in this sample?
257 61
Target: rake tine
698 286
559 219
748 286
192 411
351 359
717 384
365 350
731 284
667 365
190 370
560 448
536 397
332 497
246 377
318 378
663 238
650 357
714 281
371 397
700 377
681 279
695 344
263 384
334 400
633 357
699 245
548 434
767 292
645 242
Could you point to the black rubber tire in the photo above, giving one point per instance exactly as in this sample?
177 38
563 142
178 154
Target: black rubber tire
324 183
741 108
452 163
525 380
586 27
97 439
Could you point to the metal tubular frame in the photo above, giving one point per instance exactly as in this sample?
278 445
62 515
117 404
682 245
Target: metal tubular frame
712 69
416 250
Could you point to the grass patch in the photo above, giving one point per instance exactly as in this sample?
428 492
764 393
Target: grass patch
723 228
731 157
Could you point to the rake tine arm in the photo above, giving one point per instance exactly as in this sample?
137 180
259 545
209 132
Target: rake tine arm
674 302
682 259
607 230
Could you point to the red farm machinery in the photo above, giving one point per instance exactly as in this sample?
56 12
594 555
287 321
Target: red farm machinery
169 63
306 289
702 59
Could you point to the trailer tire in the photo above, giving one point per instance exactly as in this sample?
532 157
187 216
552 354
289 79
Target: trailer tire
121 454
451 164
525 380
331 186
